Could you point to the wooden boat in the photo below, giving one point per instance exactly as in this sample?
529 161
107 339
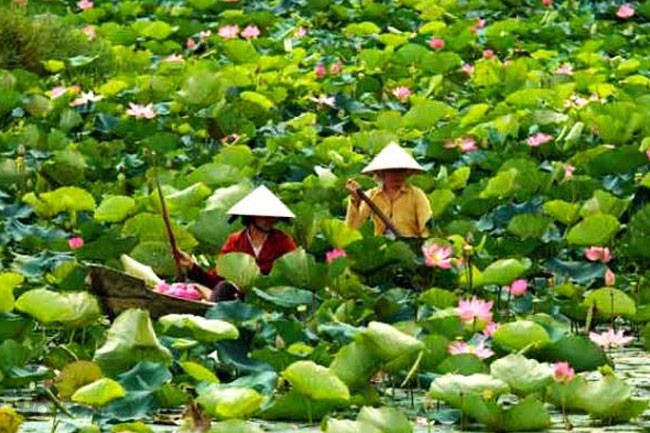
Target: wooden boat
118 291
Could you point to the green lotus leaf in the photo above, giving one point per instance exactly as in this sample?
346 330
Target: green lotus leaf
8 282
240 268
199 372
315 381
390 345
597 229
354 364
609 302
524 376
115 209
338 234
349 426
564 212
386 419
130 340
580 352
235 426
199 328
65 199
74 309
99 393
452 388
517 335
75 375
227 403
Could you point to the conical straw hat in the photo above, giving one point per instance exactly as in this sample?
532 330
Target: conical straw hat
392 157
261 202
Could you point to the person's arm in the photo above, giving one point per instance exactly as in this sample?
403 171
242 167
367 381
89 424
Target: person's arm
206 278
422 211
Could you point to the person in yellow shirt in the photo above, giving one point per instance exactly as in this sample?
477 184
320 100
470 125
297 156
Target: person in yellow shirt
406 206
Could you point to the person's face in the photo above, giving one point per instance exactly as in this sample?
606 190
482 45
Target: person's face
264 224
395 178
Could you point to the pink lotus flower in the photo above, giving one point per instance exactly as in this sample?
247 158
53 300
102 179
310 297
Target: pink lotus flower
568 171
610 277
174 58
250 32
565 69
402 93
141 111
547 2
436 256
86 98
538 139
323 100
437 43
190 44
179 290
300 33
468 69
75 243
229 31
330 256
475 309
57 91
336 68
562 372
85 4
320 71
518 287
490 329
204 34
625 11
467 144
464 144
596 254
90 32
488 54
480 23
647 153
460 347
610 339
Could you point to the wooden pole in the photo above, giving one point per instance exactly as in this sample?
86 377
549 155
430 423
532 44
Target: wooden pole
170 233
382 216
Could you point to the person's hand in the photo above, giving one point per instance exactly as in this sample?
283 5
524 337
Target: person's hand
184 259
352 186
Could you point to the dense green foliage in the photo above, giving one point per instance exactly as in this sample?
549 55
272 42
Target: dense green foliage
529 117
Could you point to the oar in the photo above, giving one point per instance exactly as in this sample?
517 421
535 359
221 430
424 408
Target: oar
382 216
170 234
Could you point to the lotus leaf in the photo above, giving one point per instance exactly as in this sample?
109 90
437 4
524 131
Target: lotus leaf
517 335
199 328
115 209
315 381
99 393
235 426
74 309
386 419
609 302
524 376
130 339
452 388
597 229
354 364
75 375
348 426
199 372
8 282
240 268
226 403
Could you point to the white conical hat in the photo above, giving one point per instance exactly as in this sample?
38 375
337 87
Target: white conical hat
261 202
392 157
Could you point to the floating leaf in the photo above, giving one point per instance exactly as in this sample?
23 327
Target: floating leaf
598 229
226 403
199 328
315 381
524 376
517 335
99 393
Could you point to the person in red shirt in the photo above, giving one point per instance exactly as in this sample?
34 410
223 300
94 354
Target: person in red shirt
260 211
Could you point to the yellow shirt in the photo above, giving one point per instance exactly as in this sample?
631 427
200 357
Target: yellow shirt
409 211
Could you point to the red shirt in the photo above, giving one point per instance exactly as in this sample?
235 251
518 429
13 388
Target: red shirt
276 245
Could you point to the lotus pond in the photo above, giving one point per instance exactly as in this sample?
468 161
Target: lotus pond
516 314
